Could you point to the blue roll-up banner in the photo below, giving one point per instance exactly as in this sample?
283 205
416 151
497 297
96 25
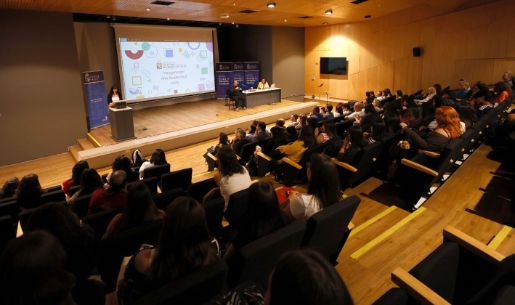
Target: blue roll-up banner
246 73
252 74
223 75
95 95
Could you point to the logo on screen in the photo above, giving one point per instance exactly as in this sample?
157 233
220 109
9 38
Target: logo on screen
169 53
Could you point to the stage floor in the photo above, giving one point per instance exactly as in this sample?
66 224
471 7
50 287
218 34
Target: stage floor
158 120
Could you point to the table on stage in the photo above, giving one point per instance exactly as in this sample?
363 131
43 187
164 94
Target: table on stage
122 126
258 97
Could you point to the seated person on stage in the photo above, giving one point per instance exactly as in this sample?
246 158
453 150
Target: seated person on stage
263 84
113 96
237 95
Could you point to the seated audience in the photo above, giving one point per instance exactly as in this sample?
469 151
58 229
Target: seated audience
304 277
278 138
359 111
158 158
90 181
508 79
139 209
431 93
296 149
121 163
483 106
328 114
294 121
113 196
240 139
448 128
223 141
502 93
252 131
352 145
323 189
315 114
230 175
137 158
262 217
32 272
280 123
261 133
9 188
327 140
184 246
29 192
463 89
77 170
291 134
370 118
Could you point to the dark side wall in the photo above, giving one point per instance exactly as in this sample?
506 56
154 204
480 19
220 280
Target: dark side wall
41 104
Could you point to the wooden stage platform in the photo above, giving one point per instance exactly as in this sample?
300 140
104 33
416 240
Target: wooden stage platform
179 125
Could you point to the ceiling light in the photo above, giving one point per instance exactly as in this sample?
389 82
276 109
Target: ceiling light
270 5
147 9
168 19
285 20
224 16
328 12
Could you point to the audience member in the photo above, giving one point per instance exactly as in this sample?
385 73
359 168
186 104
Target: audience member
137 158
296 149
158 158
77 170
315 114
502 93
431 93
184 246
358 112
261 133
29 192
32 272
352 145
240 139
304 277
323 189
140 208
121 163
90 181
463 89
369 118
230 175
328 142
9 188
278 138
114 196
329 113
508 79
294 121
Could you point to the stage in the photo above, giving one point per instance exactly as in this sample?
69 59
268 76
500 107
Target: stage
179 125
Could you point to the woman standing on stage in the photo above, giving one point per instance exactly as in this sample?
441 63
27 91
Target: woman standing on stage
113 96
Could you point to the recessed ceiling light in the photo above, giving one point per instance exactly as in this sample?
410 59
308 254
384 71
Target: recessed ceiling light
224 16
270 5
232 23
167 19
328 12
285 20
147 9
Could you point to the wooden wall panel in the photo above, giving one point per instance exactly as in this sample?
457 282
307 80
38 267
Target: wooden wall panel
475 44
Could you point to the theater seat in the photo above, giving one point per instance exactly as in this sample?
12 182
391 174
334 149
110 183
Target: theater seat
394 296
99 221
199 287
81 205
156 171
162 200
214 214
327 230
237 207
178 179
7 231
199 189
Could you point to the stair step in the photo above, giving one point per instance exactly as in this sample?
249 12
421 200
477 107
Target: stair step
85 144
74 151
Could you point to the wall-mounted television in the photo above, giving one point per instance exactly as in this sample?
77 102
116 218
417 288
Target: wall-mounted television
333 65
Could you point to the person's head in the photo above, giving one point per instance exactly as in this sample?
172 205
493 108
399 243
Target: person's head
369 108
399 93
291 133
10 186
122 163
307 135
303 119
356 136
392 121
316 110
261 127
117 181
463 84
90 180
32 271
358 106
387 92
507 76
227 162
500 87
29 188
339 109
77 170
263 205
448 119
252 129
263 80
137 158
114 90
304 277
278 134
347 107
223 139
294 117
431 90
240 134
329 108
140 205
279 123
323 180
438 88
184 242
235 83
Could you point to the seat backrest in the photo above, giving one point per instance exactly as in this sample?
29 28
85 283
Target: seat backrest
237 207
246 151
10 208
214 215
100 220
8 199
258 258
198 287
156 171
113 249
199 189
449 155
326 230
366 162
162 200
394 296
467 139
53 196
73 189
54 188
151 183
7 231
81 205
439 270
178 179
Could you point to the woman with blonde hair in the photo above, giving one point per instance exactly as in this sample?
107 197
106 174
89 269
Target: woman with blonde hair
448 127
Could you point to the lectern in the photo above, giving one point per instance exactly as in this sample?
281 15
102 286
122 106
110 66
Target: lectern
122 126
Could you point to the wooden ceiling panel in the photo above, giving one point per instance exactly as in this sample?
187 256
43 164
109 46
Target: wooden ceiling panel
212 10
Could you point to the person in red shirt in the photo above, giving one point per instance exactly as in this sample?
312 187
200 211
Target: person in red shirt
502 92
114 196
77 170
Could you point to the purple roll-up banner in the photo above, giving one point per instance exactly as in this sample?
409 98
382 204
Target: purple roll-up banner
223 75
251 74
95 96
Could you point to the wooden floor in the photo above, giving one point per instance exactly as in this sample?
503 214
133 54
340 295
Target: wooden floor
385 237
159 120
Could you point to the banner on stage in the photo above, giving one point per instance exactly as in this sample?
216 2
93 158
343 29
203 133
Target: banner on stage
246 73
223 83
95 96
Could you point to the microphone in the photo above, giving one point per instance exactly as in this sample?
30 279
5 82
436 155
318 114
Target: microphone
321 85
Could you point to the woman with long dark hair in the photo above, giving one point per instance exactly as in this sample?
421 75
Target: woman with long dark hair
139 208
230 175
114 95
183 247
77 170
29 192
90 181
296 149
352 145
323 189
158 158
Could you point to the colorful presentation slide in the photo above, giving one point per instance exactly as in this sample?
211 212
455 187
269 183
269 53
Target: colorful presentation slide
156 69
